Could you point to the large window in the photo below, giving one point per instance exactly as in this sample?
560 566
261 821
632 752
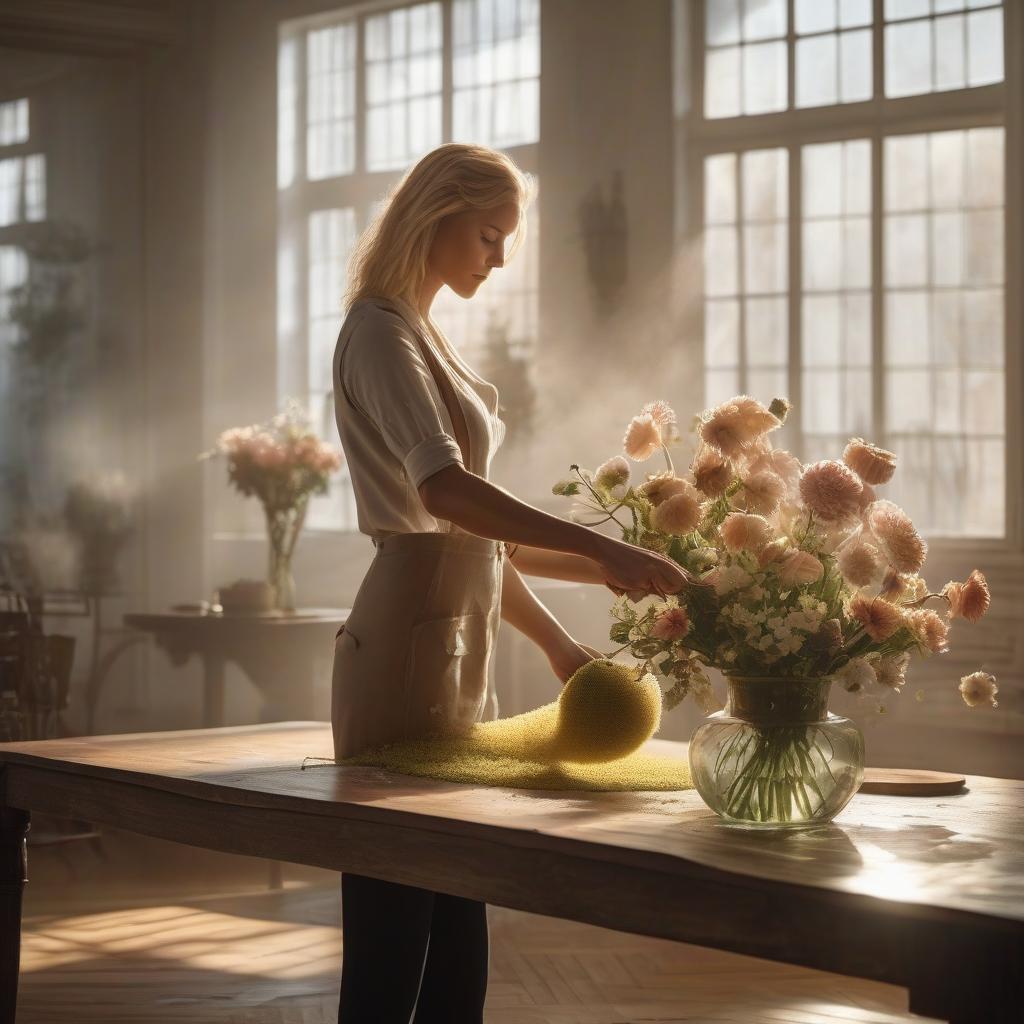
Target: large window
853 220
360 99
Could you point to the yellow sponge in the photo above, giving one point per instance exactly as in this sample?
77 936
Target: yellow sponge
586 740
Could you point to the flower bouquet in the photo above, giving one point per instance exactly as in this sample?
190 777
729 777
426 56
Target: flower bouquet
817 578
283 463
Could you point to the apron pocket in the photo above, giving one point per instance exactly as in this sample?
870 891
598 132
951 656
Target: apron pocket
446 673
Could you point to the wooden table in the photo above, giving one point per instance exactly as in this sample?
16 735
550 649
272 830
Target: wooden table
277 651
922 892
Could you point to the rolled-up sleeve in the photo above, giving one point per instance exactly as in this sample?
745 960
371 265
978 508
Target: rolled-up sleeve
388 381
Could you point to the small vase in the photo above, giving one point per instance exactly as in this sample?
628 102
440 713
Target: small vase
775 757
283 527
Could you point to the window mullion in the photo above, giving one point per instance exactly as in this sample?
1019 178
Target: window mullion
447 94
877 291
741 283
795 235
790 54
360 100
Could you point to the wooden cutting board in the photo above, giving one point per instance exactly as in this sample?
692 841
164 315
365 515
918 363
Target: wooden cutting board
910 782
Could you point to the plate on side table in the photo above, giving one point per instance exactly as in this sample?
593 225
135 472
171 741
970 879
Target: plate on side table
910 782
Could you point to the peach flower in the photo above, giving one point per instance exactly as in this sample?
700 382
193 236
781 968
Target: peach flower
979 688
782 464
968 600
745 531
929 628
894 586
735 426
711 472
799 567
671 624
859 563
662 414
873 465
643 437
891 669
612 473
831 490
659 486
772 552
879 618
902 545
762 492
678 514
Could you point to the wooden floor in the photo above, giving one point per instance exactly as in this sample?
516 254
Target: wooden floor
127 930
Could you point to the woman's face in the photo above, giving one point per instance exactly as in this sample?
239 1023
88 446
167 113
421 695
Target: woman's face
469 245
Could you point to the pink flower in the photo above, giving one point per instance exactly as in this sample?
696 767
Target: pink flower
612 473
735 426
745 531
711 472
979 688
873 465
269 456
772 552
929 628
659 486
831 490
671 624
799 567
782 464
891 669
678 514
879 618
662 414
643 437
859 563
762 492
896 536
969 600
893 585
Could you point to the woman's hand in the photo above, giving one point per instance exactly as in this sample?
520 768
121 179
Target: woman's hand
635 571
570 656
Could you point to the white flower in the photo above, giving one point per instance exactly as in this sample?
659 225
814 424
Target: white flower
857 676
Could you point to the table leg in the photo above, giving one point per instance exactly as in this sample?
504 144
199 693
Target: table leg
213 689
14 826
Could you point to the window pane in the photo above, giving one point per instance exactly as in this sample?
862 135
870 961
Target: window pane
330 101
496 101
13 122
764 77
722 82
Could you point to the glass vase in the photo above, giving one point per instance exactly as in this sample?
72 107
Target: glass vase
775 757
283 527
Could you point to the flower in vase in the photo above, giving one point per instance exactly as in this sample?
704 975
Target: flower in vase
891 670
678 514
745 531
762 492
711 472
929 628
968 600
860 563
879 618
873 465
857 676
671 624
660 486
896 536
643 437
798 568
734 427
612 473
831 490
664 415
979 688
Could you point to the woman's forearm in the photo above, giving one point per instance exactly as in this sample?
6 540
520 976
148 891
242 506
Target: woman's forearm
480 507
556 565
521 608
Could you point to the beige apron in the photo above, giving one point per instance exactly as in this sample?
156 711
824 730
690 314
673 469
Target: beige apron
413 655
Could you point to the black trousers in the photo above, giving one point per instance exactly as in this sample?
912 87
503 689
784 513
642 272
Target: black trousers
411 950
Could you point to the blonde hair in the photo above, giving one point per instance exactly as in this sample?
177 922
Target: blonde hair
390 258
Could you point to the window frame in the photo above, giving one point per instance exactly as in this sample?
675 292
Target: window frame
998 104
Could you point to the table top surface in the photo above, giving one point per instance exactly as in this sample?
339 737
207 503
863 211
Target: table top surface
961 852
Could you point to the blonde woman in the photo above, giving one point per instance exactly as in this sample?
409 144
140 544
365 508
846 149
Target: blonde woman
419 429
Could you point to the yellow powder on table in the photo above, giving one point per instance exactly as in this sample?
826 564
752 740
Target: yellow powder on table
586 740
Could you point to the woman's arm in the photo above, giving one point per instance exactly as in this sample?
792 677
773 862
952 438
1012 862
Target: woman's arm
520 607
556 565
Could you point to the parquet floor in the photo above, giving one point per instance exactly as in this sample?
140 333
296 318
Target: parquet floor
136 931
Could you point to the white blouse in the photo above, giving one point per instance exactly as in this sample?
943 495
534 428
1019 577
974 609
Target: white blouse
394 426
